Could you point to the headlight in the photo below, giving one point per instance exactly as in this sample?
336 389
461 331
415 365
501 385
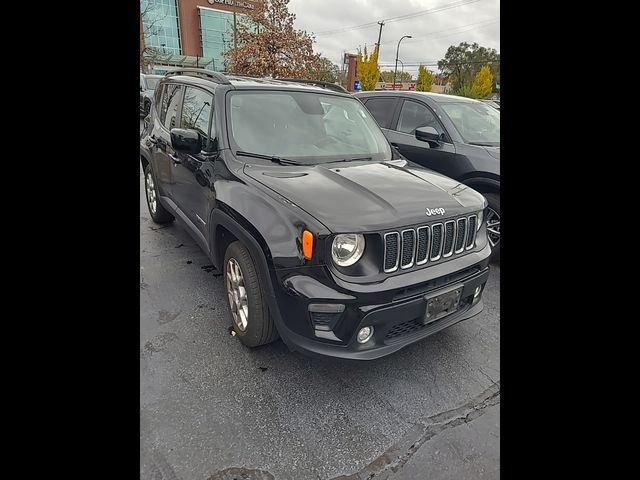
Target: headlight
480 219
347 248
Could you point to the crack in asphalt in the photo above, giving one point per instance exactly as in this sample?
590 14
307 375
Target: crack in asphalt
394 458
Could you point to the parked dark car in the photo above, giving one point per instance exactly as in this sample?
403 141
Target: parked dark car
325 235
456 136
148 84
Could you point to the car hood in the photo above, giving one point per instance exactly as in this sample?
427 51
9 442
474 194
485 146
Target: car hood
368 196
493 151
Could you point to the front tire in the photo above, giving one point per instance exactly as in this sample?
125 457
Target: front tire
158 213
252 321
493 224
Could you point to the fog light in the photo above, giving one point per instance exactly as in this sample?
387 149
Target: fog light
365 334
477 292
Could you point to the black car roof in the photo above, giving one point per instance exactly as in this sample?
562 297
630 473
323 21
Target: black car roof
216 79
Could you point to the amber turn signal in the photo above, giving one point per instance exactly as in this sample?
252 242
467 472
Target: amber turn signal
307 244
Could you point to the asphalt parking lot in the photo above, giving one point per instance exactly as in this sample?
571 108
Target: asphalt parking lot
212 409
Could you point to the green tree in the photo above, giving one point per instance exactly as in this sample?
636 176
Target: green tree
481 86
368 69
483 83
387 76
327 71
425 79
463 62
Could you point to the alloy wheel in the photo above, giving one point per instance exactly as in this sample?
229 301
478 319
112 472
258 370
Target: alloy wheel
238 300
493 227
151 193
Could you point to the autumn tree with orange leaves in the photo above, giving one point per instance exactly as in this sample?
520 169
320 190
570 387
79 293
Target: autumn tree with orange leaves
268 44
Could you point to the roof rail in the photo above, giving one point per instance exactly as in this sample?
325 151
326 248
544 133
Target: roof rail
319 83
215 76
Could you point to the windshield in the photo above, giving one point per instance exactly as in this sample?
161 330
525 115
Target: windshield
152 82
307 127
477 123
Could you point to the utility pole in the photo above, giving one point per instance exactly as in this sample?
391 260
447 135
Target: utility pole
379 35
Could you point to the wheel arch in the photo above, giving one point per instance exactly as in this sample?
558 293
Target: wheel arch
144 159
483 184
226 228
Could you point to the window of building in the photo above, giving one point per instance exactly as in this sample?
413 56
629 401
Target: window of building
414 115
196 112
216 34
160 25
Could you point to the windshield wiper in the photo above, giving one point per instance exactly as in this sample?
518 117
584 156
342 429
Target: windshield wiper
482 144
273 158
356 159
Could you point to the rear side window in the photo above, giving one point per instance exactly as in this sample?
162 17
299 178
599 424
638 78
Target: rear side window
196 111
170 103
382 110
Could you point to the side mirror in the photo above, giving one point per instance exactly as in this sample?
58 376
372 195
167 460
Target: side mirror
427 134
187 141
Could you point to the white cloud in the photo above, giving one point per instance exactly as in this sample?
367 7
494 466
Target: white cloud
477 21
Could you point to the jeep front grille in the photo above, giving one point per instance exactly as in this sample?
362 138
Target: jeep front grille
472 228
449 233
391 251
436 243
460 238
417 246
423 245
408 248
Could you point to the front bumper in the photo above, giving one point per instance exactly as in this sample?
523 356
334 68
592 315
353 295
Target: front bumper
396 314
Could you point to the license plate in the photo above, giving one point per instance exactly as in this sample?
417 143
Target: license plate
441 305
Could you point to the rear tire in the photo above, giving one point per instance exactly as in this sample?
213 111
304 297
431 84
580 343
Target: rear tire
158 213
250 315
493 215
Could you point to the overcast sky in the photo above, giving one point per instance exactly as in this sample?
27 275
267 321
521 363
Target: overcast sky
471 21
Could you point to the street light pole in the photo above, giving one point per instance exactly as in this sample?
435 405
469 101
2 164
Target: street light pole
395 71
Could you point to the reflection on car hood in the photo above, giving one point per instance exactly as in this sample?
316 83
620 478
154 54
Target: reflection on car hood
368 196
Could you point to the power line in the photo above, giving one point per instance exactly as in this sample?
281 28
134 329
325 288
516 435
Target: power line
447 6
487 23
490 22
458 3
432 63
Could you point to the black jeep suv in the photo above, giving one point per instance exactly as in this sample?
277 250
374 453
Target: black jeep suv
326 237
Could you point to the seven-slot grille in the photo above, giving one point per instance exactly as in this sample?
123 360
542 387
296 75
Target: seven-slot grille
430 242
